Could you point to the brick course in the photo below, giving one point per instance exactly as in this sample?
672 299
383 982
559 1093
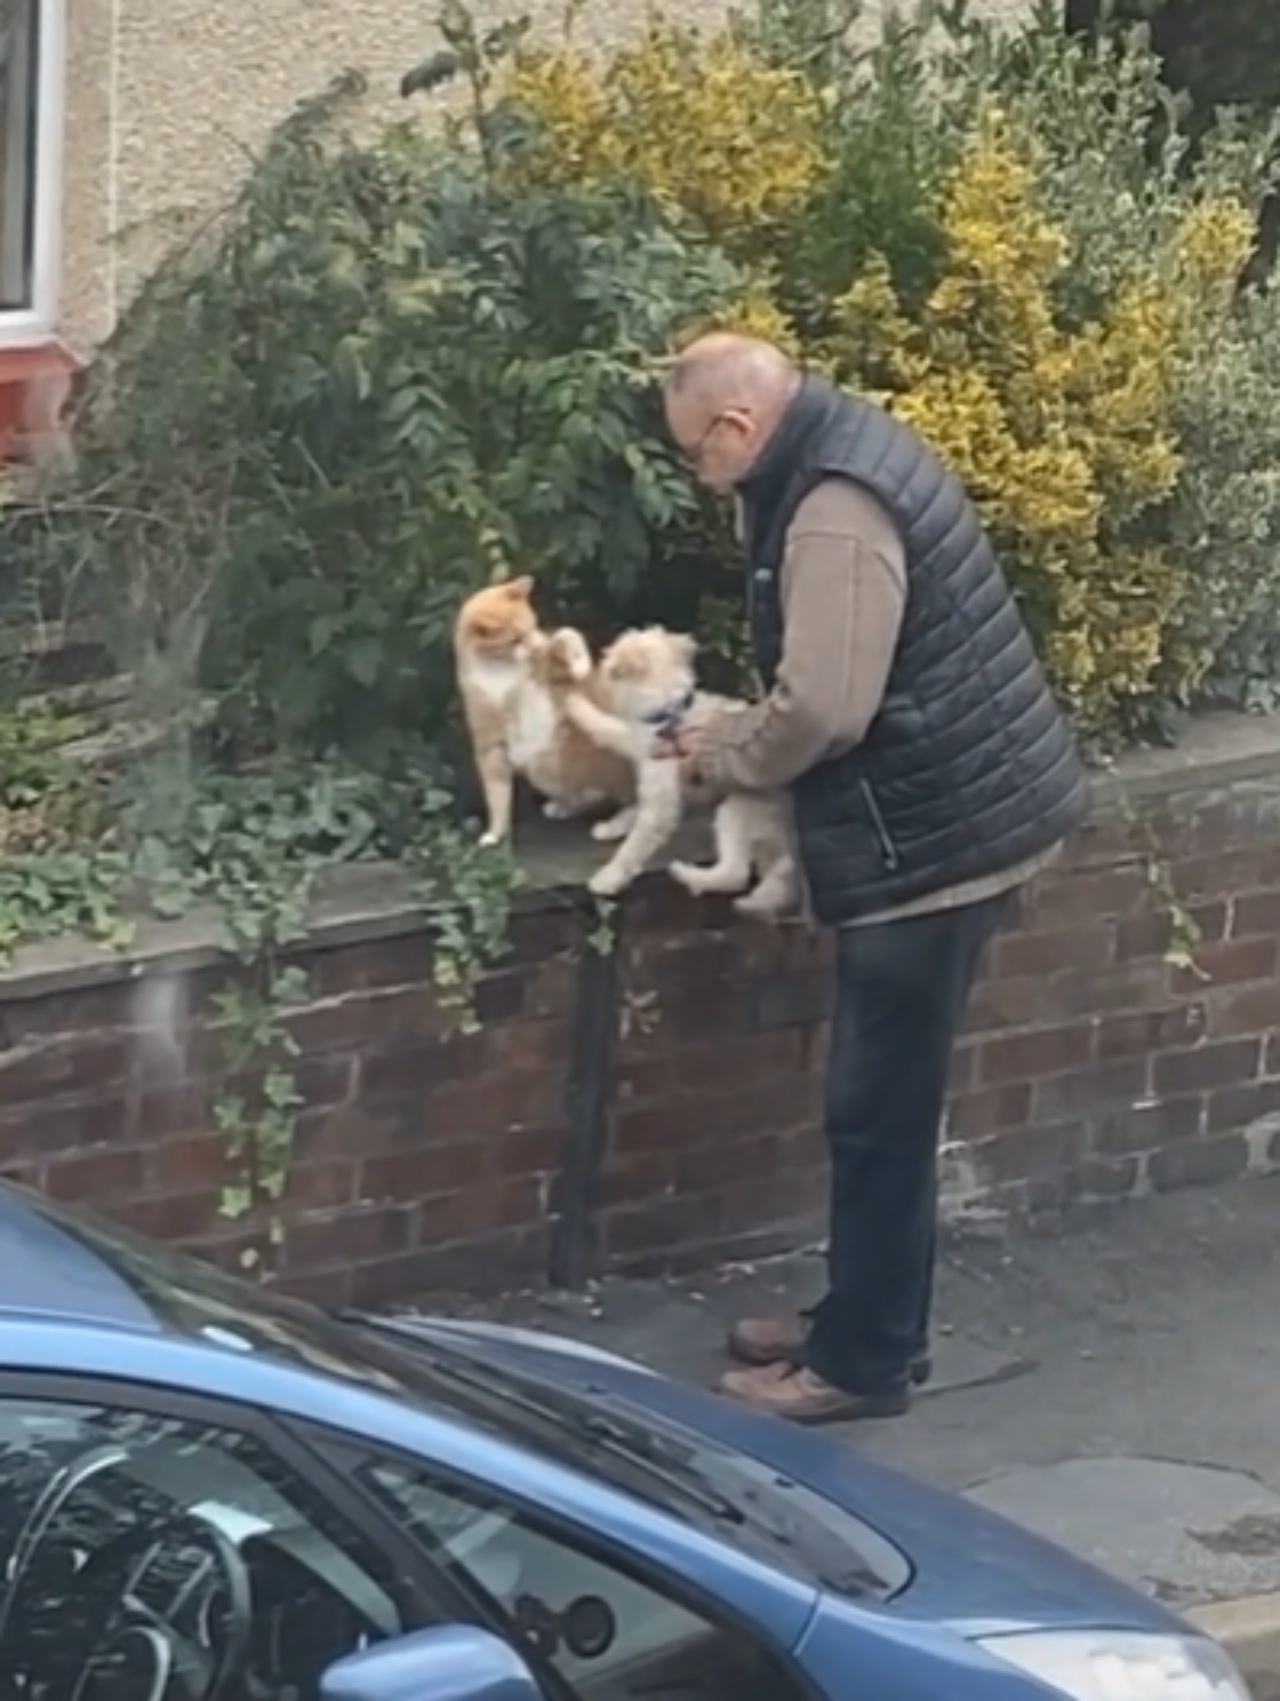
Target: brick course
1090 1067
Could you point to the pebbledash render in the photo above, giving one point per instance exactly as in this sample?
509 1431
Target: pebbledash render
163 98
662 1110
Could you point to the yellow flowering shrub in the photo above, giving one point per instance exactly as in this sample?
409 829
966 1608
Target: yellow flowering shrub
713 131
754 314
1063 433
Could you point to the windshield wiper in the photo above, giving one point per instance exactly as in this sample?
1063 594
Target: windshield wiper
558 1416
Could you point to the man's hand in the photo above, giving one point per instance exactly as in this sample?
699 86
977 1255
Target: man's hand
684 745
679 742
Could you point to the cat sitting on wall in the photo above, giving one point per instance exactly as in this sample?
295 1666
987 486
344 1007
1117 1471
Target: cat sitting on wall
513 679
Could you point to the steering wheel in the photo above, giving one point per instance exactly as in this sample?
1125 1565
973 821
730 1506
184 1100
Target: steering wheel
203 1673
127 1652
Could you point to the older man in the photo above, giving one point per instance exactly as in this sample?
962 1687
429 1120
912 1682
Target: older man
931 774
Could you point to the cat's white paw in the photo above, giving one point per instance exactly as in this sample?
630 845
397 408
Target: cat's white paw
554 811
491 838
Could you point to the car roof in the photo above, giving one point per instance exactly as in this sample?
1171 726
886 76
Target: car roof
46 1271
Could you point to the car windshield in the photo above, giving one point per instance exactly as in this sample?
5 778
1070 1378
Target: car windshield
680 1471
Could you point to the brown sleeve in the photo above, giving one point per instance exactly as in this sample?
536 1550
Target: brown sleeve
843 588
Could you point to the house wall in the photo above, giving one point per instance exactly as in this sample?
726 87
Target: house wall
167 99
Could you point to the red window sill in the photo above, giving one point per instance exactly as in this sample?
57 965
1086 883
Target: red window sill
36 386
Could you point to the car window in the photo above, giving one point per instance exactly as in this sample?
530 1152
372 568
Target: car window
158 1557
607 1635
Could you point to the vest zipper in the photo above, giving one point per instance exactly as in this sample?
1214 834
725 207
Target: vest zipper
888 850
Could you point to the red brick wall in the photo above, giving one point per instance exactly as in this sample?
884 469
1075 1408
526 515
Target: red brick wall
1092 1067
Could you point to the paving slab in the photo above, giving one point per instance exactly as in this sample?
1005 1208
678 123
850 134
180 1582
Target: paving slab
1186 1532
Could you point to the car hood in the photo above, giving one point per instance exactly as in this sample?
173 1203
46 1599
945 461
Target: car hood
972 1569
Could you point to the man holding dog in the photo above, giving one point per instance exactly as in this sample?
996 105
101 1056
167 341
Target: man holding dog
931 773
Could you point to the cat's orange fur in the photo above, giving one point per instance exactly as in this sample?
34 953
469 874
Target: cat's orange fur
513 678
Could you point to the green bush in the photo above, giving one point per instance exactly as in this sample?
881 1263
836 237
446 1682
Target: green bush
385 375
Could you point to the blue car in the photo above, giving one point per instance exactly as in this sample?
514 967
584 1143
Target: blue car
211 1493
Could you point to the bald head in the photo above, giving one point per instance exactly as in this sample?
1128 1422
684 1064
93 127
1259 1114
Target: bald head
726 370
724 397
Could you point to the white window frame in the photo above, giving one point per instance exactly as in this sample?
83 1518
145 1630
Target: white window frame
38 321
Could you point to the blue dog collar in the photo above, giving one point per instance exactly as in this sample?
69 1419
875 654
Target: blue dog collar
669 716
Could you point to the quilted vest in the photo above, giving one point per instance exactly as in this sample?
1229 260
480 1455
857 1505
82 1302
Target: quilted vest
969 768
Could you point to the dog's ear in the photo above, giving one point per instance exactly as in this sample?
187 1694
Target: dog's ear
688 646
521 589
624 665
623 660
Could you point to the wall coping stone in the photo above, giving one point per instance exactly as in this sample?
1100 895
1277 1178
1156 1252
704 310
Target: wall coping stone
364 901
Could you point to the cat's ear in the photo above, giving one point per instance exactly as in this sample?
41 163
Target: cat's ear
519 590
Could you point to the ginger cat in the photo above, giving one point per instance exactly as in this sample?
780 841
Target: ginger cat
646 688
513 678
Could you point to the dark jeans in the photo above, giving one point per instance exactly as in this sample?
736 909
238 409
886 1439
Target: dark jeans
901 989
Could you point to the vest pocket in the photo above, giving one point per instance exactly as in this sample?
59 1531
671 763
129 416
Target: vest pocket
888 850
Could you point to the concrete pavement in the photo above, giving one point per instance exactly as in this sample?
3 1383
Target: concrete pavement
1112 1380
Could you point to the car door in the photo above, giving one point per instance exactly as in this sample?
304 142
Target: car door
593 1622
157 1545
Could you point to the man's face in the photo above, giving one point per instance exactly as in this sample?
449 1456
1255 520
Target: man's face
718 448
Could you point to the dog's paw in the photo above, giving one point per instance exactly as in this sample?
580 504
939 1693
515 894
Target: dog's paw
686 874
756 908
572 653
607 882
610 831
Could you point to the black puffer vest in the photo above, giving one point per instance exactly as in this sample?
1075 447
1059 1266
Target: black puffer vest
969 768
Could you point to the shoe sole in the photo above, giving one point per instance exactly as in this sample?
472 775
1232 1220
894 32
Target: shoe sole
867 1409
920 1371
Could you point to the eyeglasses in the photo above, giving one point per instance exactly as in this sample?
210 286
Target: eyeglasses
692 456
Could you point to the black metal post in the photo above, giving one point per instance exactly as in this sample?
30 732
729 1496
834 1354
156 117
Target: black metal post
590 1091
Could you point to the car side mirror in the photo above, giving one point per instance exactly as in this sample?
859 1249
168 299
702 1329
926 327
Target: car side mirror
452 1662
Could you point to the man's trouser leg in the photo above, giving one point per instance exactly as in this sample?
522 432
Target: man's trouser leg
901 990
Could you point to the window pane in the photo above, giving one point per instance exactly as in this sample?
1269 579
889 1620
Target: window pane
19 28
608 1636
133 1545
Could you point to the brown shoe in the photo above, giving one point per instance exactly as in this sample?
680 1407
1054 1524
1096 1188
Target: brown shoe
768 1340
759 1341
791 1392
